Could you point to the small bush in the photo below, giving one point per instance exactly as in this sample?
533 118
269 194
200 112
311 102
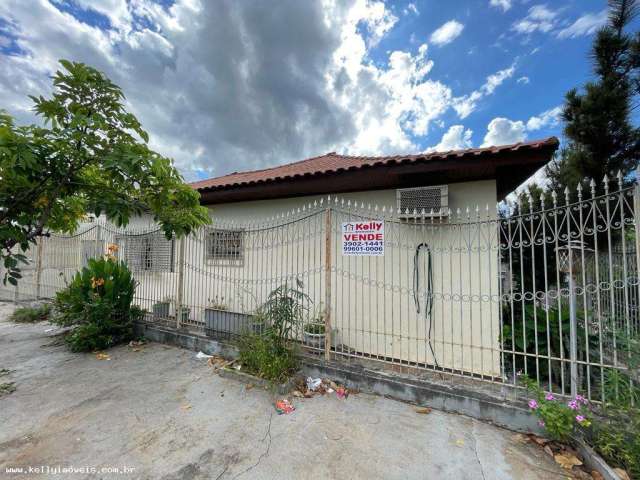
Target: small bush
260 355
31 314
98 302
560 419
272 355
615 435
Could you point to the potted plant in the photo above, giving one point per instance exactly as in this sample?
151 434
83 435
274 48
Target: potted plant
219 318
161 309
258 322
183 313
313 333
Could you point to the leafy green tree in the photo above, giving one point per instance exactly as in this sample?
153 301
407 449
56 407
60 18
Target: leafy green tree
91 156
601 137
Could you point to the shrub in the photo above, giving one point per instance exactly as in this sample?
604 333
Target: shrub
260 355
561 419
271 355
98 302
615 435
31 314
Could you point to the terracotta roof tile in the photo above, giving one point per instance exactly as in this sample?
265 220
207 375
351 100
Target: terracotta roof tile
334 163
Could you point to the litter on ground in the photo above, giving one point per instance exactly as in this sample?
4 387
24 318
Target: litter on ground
319 386
216 362
423 410
284 407
202 355
102 356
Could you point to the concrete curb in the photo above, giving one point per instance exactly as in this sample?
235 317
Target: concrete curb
280 389
422 392
595 461
186 340
447 398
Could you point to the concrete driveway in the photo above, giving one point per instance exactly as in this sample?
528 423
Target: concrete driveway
162 413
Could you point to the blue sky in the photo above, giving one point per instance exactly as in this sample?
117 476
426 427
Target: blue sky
225 86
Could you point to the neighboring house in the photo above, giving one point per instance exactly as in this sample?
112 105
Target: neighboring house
426 292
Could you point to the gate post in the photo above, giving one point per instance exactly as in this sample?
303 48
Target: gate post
636 221
38 267
573 332
327 285
179 295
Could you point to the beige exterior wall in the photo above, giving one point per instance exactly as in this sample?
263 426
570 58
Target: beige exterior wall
373 307
372 303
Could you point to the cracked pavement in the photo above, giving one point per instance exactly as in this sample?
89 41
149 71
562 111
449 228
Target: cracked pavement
164 414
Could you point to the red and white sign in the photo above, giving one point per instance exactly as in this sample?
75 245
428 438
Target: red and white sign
363 238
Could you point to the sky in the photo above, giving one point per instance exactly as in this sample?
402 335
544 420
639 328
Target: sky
230 85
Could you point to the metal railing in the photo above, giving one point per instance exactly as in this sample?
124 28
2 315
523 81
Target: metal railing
485 294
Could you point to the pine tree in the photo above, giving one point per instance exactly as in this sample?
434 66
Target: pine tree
601 138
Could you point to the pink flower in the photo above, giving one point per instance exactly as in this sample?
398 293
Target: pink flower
533 404
573 405
541 423
580 418
549 397
581 399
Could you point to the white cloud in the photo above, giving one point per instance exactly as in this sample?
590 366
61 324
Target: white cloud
539 18
447 33
411 9
550 118
467 104
502 131
504 4
524 80
456 138
585 25
221 86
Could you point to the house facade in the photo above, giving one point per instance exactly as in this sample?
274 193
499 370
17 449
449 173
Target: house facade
398 256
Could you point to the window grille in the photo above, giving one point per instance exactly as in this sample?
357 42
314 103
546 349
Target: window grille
225 245
147 253
434 201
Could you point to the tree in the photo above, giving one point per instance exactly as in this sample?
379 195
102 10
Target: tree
601 138
91 156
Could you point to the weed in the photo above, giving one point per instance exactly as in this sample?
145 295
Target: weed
7 388
31 314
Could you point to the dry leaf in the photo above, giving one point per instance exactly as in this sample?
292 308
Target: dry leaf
186 407
298 393
567 460
423 410
622 474
539 440
520 438
460 443
548 450
102 356
596 475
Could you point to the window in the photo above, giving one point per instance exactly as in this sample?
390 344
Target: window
225 245
148 253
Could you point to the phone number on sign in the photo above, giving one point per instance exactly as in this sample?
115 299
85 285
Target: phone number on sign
363 248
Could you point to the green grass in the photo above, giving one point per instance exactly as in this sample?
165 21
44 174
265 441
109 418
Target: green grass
7 388
31 314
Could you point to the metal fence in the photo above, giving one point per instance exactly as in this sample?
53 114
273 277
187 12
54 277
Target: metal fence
484 294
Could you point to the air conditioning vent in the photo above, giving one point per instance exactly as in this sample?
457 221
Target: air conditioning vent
424 201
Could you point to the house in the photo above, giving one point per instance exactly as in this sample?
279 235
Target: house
377 299
399 254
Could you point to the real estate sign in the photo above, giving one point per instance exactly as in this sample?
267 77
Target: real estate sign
363 238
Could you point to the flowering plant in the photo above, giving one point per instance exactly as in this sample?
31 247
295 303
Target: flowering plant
560 418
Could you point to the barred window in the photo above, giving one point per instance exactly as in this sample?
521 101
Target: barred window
225 245
149 253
